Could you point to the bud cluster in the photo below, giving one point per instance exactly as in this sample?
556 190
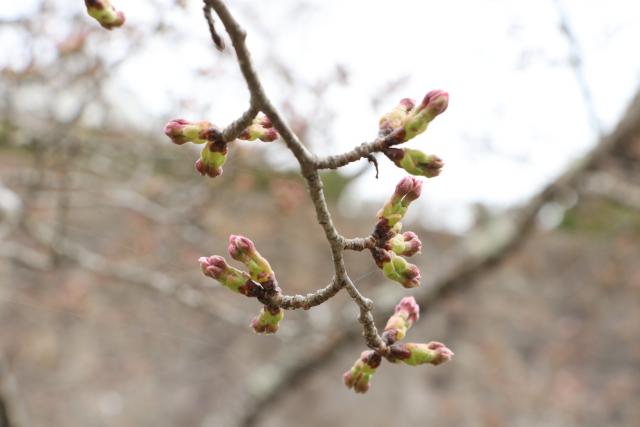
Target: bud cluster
103 12
391 245
214 153
260 128
406 314
408 120
405 122
259 282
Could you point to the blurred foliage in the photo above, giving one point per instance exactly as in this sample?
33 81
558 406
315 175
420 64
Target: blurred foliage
601 218
334 184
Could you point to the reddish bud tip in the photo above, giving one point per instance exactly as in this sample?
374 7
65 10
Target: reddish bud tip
409 187
409 306
407 104
269 135
208 170
436 101
213 266
412 244
240 247
173 129
442 352
265 121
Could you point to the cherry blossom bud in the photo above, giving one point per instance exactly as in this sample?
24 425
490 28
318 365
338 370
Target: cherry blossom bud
407 190
398 269
260 128
407 312
433 104
181 131
360 374
396 119
212 157
405 244
415 162
242 249
268 321
263 120
238 281
103 12
415 354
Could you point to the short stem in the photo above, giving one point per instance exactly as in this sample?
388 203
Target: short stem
234 129
359 243
360 152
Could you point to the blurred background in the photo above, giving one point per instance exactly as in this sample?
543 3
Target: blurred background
531 235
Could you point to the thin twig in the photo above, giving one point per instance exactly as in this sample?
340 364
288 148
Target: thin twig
577 64
215 37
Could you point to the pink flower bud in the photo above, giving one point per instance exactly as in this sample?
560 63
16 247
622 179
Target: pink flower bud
181 131
406 314
103 12
242 249
359 376
408 187
236 280
407 120
264 121
415 354
434 103
415 162
260 128
407 190
212 157
409 309
405 244
399 270
394 120
206 169
213 266
268 321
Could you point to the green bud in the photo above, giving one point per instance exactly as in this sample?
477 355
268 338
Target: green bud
103 12
407 190
415 162
359 376
212 157
407 312
395 119
415 354
399 270
181 131
408 120
236 280
434 103
405 244
243 249
268 321
260 128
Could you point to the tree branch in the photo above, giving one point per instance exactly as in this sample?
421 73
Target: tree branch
465 274
309 167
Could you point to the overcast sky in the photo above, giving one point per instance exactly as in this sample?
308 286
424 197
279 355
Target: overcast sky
517 115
